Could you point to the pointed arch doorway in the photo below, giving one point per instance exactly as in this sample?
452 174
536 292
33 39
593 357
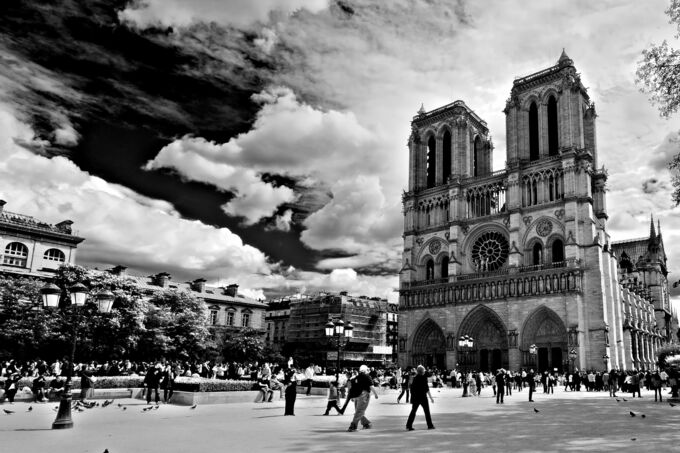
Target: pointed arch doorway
429 345
490 344
545 329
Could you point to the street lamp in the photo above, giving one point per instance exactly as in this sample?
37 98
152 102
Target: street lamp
532 351
465 344
340 334
572 357
78 295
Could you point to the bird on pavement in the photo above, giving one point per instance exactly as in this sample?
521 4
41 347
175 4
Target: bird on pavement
194 406
625 400
633 438
536 410
106 451
672 405
643 416
632 414
120 405
30 408
156 407
7 411
618 400
147 409
124 408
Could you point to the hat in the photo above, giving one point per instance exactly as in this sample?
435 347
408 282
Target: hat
363 369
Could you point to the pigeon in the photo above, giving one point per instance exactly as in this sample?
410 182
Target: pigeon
643 416
618 400
194 406
55 409
106 451
30 408
536 410
7 411
120 405
632 414
156 407
125 408
633 438
672 405
147 409
625 400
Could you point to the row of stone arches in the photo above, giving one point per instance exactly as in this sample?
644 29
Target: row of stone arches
492 342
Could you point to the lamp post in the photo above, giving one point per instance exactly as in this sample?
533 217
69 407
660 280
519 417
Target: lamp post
51 294
340 334
572 357
532 352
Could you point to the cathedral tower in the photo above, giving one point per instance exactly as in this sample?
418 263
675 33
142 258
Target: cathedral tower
519 259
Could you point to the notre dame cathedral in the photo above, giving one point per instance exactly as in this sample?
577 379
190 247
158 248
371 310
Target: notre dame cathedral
519 262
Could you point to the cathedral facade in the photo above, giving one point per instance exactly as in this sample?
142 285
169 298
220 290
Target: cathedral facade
519 261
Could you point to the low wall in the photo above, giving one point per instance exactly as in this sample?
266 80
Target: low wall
99 394
191 398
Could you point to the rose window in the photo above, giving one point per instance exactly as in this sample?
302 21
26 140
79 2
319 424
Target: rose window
489 252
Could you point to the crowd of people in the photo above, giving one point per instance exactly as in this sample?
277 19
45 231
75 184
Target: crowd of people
357 385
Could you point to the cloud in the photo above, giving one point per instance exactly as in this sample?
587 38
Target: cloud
182 13
653 185
254 198
119 225
282 222
665 152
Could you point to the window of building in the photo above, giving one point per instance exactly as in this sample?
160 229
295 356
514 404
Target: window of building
213 317
230 318
245 319
477 157
431 162
54 255
429 270
533 132
16 254
445 267
552 126
537 254
557 251
446 157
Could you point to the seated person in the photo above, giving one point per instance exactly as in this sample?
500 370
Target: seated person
267 393
56 389
39 389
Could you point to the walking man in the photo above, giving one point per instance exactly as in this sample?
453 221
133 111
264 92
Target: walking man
500 384
420 391
405 384
531 380
363 387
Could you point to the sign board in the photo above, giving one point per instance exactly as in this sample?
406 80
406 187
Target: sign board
332 355
382 350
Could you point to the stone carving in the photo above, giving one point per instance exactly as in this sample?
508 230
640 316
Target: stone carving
559 213
465 228
460 121
570 238
452 258
435 247
527 220
419 241
544 227
447 235
506 222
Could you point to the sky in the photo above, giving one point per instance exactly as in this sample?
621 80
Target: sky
263 142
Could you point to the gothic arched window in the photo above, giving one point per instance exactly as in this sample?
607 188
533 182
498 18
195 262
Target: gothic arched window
537 254
446 161
477 157
533 132
552 126
429 270
557 251
431 162
445 267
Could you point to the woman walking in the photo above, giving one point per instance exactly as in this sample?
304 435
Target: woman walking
291 392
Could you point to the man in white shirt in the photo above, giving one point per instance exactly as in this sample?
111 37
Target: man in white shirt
309 375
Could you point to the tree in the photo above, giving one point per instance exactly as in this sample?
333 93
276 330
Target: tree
244 345
175 326
659 74
659 70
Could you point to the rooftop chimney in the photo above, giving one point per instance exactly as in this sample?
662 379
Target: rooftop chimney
161 279
198 285
231 290
65 226
118 270
2 205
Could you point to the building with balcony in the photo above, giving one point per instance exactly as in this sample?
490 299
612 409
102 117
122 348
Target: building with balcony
276 319
34 248
521 257
374 320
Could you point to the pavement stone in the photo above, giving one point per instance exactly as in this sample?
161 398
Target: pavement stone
566 421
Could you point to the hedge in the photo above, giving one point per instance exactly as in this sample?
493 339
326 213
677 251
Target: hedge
187 384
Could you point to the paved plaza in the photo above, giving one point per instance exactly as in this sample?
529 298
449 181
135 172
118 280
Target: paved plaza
565 422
